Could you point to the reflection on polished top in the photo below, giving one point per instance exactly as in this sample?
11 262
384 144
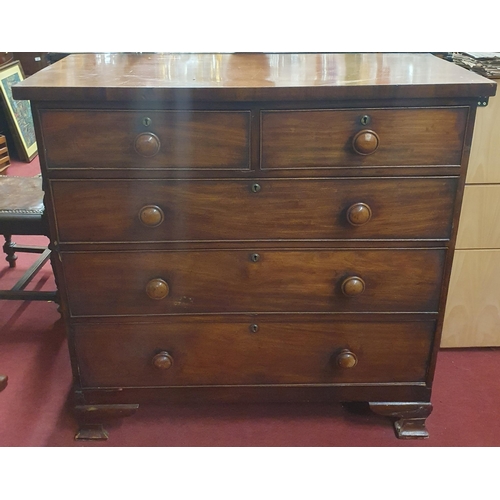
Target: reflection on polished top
252 76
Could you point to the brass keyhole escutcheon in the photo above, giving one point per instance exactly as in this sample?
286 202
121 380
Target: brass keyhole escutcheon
146 121
256 188
255 257
365 120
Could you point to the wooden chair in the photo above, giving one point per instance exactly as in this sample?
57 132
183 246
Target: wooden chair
21 210
4 155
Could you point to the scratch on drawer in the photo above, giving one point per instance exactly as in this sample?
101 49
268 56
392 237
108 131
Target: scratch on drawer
184 301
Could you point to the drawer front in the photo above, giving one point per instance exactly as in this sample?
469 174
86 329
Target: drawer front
171 140
334 138
118 211
231 354
230 281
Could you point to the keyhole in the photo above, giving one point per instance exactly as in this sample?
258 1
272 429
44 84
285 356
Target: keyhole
146 121
365 120
254 328
255 257
256 188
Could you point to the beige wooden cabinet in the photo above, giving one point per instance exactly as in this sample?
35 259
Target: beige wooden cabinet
472 317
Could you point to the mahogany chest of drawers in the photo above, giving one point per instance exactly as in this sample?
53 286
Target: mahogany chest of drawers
253 227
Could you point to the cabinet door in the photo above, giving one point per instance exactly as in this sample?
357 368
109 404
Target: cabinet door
472 317
480 218
484 162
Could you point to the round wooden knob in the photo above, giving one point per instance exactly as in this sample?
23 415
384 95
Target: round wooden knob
347 359
157 289
3 382
353 285
359 214
151 215
147 144
163 360
365 142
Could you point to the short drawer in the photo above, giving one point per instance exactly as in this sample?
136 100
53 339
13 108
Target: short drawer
125 355
115 139
370 137
262 209
239 281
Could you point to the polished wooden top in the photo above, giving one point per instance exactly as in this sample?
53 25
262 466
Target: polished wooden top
251 76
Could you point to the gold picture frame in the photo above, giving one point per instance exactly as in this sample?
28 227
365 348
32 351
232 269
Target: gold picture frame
18 113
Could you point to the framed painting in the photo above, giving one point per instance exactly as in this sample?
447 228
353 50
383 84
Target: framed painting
18 113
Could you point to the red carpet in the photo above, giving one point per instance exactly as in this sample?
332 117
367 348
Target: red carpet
34 410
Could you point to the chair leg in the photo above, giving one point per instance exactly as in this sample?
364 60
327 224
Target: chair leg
10 249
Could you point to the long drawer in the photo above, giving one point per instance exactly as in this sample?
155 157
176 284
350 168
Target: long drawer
120 139
125 355
230 281
130 210
364 137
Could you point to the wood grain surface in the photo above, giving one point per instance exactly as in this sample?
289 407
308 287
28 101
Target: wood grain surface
472 317
93 211
106 139
231 281
484 162
472 313
191 77
118 355
323 138
480 218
